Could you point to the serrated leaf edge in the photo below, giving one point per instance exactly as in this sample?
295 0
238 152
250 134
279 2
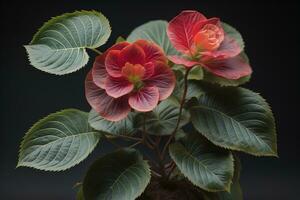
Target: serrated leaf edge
274 152
20 164
227 186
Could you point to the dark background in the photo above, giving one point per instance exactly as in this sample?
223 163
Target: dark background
270 31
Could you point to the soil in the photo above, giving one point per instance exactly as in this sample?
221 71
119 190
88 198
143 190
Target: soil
171 190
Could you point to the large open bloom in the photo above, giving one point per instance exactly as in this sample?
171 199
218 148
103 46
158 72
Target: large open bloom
129 76
203 42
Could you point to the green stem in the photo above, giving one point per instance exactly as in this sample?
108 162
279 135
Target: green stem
146 140
171 169
133 145
127 137
182 101
97 51
159 157
144 134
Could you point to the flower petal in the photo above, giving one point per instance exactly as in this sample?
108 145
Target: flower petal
182 61
200 24
113 63
145 99
99 72
133 72
149 70
108 107
164 79
232 68
133 54
180 29
153 53
229 48
117 87
118 46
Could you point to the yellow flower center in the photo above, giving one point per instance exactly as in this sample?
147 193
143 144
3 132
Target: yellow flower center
134 74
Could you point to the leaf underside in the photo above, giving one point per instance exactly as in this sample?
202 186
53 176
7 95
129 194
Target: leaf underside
58 142
59 47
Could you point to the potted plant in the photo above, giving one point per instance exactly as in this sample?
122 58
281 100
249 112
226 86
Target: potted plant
168 97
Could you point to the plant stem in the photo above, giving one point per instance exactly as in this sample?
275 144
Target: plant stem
97 51
156 173
112 142
182 101
159 156
151 141
146 140
171 169
129 137
144 134
133 145
155 164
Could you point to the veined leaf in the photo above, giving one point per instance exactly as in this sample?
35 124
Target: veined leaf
236 118
155 31
235 192
194 87
209 77
121 175
233 33
122 127
196 73
59 47
204 164
58 142
162 120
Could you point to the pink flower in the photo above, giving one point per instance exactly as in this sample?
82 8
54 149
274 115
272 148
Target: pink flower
129 76
203 42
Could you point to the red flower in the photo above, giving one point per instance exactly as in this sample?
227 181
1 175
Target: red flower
129 76
203 42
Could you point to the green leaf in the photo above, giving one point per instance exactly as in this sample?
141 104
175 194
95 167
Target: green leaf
233 33
236 118
121 175
204 164
58 142
196 73
194 88
59 47
162 120
155 31
120 39
235 189
122 127
209 77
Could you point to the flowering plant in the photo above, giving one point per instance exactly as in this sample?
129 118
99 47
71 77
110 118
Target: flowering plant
168 97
